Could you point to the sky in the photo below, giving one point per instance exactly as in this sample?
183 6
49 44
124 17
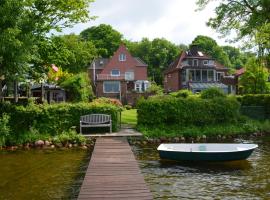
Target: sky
176 20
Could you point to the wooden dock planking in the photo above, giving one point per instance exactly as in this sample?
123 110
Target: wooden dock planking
113 173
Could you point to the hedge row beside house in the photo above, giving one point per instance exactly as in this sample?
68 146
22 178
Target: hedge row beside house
187 111
256 100
53 119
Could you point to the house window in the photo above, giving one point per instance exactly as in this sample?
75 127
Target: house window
204 75
141 86
189 62
211 63
205 62
129 76
183 76
122 57
198 75
219 75
111 86
138 87
115 72
192 75
210 75
195 62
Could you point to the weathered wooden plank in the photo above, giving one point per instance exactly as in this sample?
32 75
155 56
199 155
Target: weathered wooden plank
113 173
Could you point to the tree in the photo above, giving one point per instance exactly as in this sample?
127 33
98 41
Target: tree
210 47
237 58
254 80
158 54
23 24
247 19
70 52
104 37
242 16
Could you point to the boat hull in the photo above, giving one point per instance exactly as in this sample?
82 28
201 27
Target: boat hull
205 156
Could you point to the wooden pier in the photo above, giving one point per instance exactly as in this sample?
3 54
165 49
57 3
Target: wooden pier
113 173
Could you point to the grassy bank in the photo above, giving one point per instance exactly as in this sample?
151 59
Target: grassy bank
129 117
244 128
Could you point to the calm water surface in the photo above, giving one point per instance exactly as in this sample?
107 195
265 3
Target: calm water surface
42 174
249 179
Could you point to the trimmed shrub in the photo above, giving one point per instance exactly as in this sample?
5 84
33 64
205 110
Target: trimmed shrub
55 118
155 89
187 112
211 93
181 93
104 100
256 100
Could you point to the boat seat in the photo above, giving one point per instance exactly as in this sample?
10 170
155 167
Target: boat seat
202 148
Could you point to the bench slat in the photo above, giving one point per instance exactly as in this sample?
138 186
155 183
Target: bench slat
95 120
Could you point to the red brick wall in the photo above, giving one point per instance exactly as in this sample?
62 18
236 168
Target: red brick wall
172 83
130 64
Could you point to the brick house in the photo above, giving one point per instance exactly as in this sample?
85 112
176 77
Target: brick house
195 71
122 76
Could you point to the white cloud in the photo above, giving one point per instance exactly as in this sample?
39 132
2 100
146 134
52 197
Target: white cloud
175 20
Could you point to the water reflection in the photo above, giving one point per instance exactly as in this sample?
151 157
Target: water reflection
42 174
247 179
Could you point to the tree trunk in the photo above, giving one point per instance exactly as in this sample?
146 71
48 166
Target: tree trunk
15 91
1 92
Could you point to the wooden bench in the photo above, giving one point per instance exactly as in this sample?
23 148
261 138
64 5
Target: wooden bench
96 120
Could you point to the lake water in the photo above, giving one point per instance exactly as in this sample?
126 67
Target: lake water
42 174
248 179
58 174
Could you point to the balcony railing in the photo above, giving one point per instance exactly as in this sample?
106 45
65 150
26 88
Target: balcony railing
126 77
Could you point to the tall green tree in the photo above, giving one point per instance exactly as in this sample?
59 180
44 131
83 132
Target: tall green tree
70 52
158 54
23 24
255 79
104 37
249 19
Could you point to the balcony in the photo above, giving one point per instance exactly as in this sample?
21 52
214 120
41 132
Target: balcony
108 77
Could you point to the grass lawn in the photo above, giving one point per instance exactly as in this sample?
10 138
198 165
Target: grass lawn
129 117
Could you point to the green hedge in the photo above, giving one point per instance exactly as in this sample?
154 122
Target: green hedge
53 119
251 101
187 111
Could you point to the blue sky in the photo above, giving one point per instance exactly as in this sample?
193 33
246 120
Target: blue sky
175 20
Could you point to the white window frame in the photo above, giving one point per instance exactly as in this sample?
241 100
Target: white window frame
208 80
205 62
197 61
119 85
221 74
122 57
138 85
115 74
129 75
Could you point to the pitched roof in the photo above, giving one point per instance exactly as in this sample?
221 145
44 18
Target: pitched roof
192 53
176 62
240 72
99 63
140 62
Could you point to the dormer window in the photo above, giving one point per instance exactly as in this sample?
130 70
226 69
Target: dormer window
115 72
205 62
122 57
